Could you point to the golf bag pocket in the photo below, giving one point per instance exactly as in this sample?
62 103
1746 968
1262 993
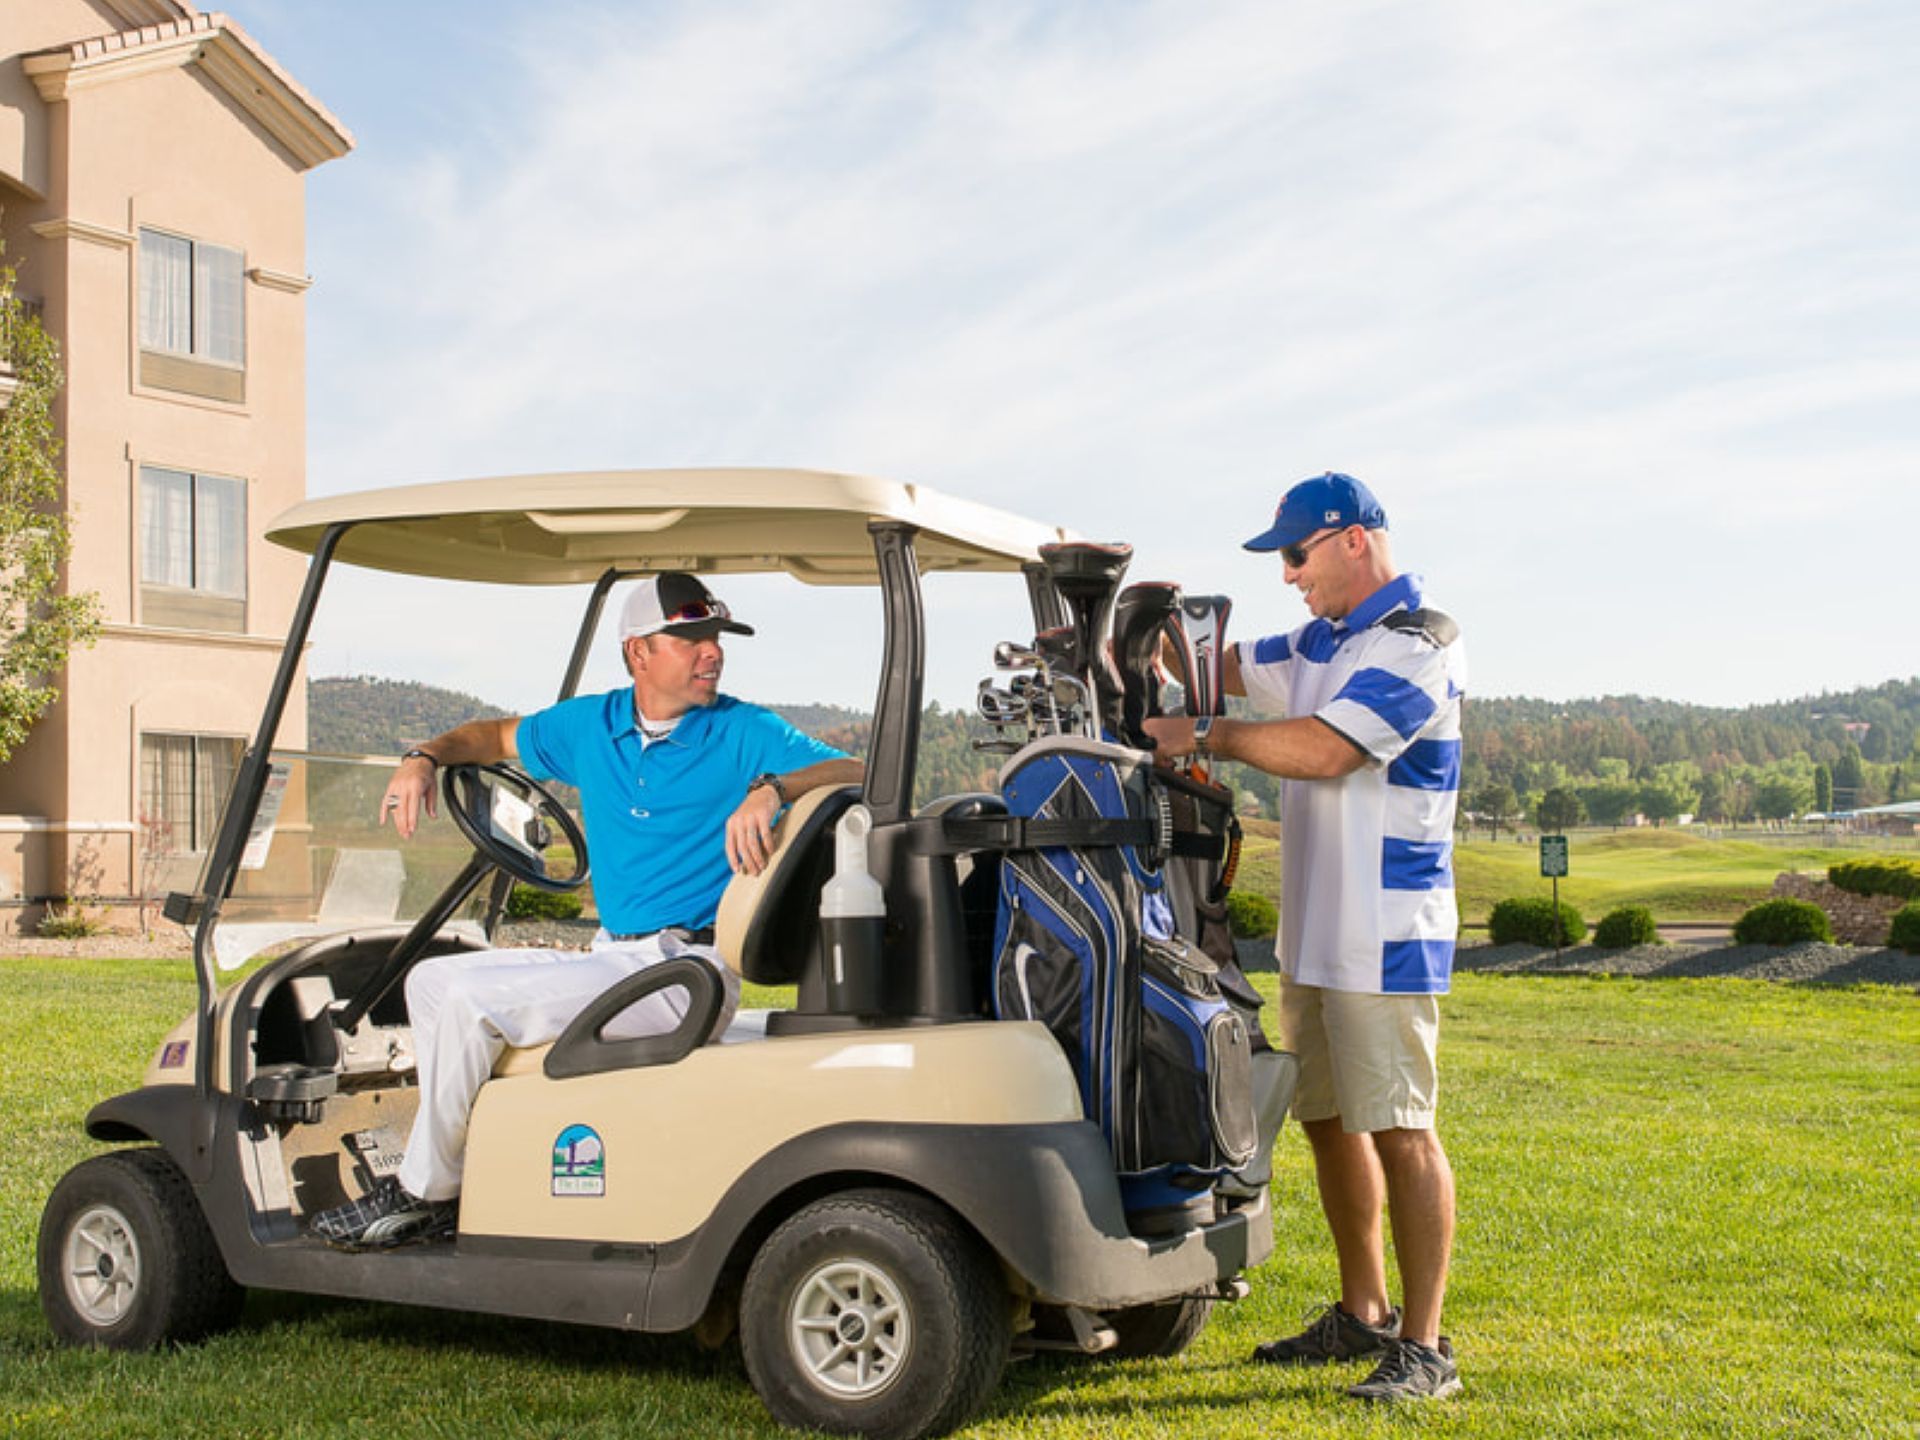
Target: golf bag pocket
1196 1093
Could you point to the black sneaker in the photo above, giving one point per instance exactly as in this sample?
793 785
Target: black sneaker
1332 1334
1411 1371
385 1216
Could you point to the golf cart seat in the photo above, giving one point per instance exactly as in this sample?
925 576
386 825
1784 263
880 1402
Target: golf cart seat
767 922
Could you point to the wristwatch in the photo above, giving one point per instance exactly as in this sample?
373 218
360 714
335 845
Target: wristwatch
769 779
1202 729
419 754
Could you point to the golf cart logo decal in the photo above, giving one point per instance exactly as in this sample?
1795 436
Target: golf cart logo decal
579 1162
174 1056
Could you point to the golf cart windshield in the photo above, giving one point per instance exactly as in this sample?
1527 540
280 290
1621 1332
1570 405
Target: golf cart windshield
300 853
318 861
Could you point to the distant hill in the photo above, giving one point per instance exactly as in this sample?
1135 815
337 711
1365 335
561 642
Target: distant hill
1702 759
365 715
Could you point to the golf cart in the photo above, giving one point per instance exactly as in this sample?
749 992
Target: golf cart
884 1190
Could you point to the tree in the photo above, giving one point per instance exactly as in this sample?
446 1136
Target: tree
1559 809
1495 805
1849 778
1822 789
1611 801
39 626
1781 795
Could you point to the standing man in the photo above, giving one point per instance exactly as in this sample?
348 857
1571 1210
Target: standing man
679 787
1371 757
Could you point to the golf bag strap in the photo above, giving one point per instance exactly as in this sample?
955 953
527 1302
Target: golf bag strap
1016 832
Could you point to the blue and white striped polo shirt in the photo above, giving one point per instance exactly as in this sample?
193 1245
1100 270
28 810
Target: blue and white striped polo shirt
1367 862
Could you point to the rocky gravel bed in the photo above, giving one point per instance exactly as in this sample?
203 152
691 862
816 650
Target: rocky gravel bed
1806 964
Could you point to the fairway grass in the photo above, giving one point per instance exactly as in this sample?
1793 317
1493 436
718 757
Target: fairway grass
1676 874
1687 1208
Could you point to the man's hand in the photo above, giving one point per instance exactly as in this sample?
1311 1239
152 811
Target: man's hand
750 830
1171 735
410 789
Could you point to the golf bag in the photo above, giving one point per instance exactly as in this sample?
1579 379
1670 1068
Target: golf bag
1083 943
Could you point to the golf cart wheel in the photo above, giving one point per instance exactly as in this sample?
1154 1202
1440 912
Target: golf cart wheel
875 1313
126 1259
1159 1330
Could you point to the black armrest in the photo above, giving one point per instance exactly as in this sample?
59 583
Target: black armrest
581 1051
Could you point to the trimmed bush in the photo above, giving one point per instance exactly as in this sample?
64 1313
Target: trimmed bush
1530 921
1629 925
1251 916
1783 922
1905 932
1883 875
528 903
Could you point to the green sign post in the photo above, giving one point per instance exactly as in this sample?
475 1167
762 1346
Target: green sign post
1553 864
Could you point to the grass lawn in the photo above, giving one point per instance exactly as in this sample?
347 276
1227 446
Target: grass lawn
1688 1208
1680 876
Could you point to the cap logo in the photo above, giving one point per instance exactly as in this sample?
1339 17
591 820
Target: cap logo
1333 517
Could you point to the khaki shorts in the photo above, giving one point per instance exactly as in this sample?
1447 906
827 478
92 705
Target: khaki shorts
1368 1060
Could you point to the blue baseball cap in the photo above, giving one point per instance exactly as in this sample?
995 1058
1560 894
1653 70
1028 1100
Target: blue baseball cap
1326 502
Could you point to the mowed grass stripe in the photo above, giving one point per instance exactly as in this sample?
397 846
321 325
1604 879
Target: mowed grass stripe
1688 1208
1680 876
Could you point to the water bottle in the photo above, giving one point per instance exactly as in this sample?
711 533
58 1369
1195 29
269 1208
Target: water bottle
853 917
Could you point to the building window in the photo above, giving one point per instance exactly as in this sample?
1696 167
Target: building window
193 319
183 783
193 550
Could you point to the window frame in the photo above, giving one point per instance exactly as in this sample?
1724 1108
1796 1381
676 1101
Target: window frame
217 588
155 791
197 312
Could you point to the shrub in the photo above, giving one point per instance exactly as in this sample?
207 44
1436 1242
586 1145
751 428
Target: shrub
1782 922
1883 875
1530 921
528 903
1251 916
1905 932
1629 925
67 921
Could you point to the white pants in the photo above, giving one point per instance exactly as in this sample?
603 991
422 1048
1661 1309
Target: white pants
466 1009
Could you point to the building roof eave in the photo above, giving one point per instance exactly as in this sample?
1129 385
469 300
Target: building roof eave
226 55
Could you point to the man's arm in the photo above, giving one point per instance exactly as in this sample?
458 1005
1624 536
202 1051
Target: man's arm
478 742
1306 748
750 828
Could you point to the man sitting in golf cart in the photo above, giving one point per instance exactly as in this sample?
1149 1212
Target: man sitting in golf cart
680 786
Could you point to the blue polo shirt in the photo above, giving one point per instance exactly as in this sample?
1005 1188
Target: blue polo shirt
656 815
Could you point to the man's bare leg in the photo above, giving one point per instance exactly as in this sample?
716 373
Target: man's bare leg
1419 1184
1352 1193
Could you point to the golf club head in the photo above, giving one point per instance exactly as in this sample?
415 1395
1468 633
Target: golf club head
1199 632
1139 618
1087 577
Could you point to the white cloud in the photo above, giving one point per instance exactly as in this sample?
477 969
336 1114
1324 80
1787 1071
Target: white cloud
1571 283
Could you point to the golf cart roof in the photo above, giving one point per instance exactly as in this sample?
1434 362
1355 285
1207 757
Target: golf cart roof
560 529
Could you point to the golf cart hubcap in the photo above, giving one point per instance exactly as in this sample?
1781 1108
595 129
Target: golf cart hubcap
849 1329
102 1265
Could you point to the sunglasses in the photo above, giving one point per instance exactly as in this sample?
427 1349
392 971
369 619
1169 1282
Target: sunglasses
700 610
1296 555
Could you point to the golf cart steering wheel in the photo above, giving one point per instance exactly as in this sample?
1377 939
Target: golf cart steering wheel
510 818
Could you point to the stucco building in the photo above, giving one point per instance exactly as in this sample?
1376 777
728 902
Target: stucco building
152 173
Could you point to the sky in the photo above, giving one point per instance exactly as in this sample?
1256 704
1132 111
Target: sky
1614 305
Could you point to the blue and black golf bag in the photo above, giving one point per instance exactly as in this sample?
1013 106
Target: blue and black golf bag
1084 943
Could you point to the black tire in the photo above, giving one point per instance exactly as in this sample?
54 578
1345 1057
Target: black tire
876 1313
1159 1330
126 1259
